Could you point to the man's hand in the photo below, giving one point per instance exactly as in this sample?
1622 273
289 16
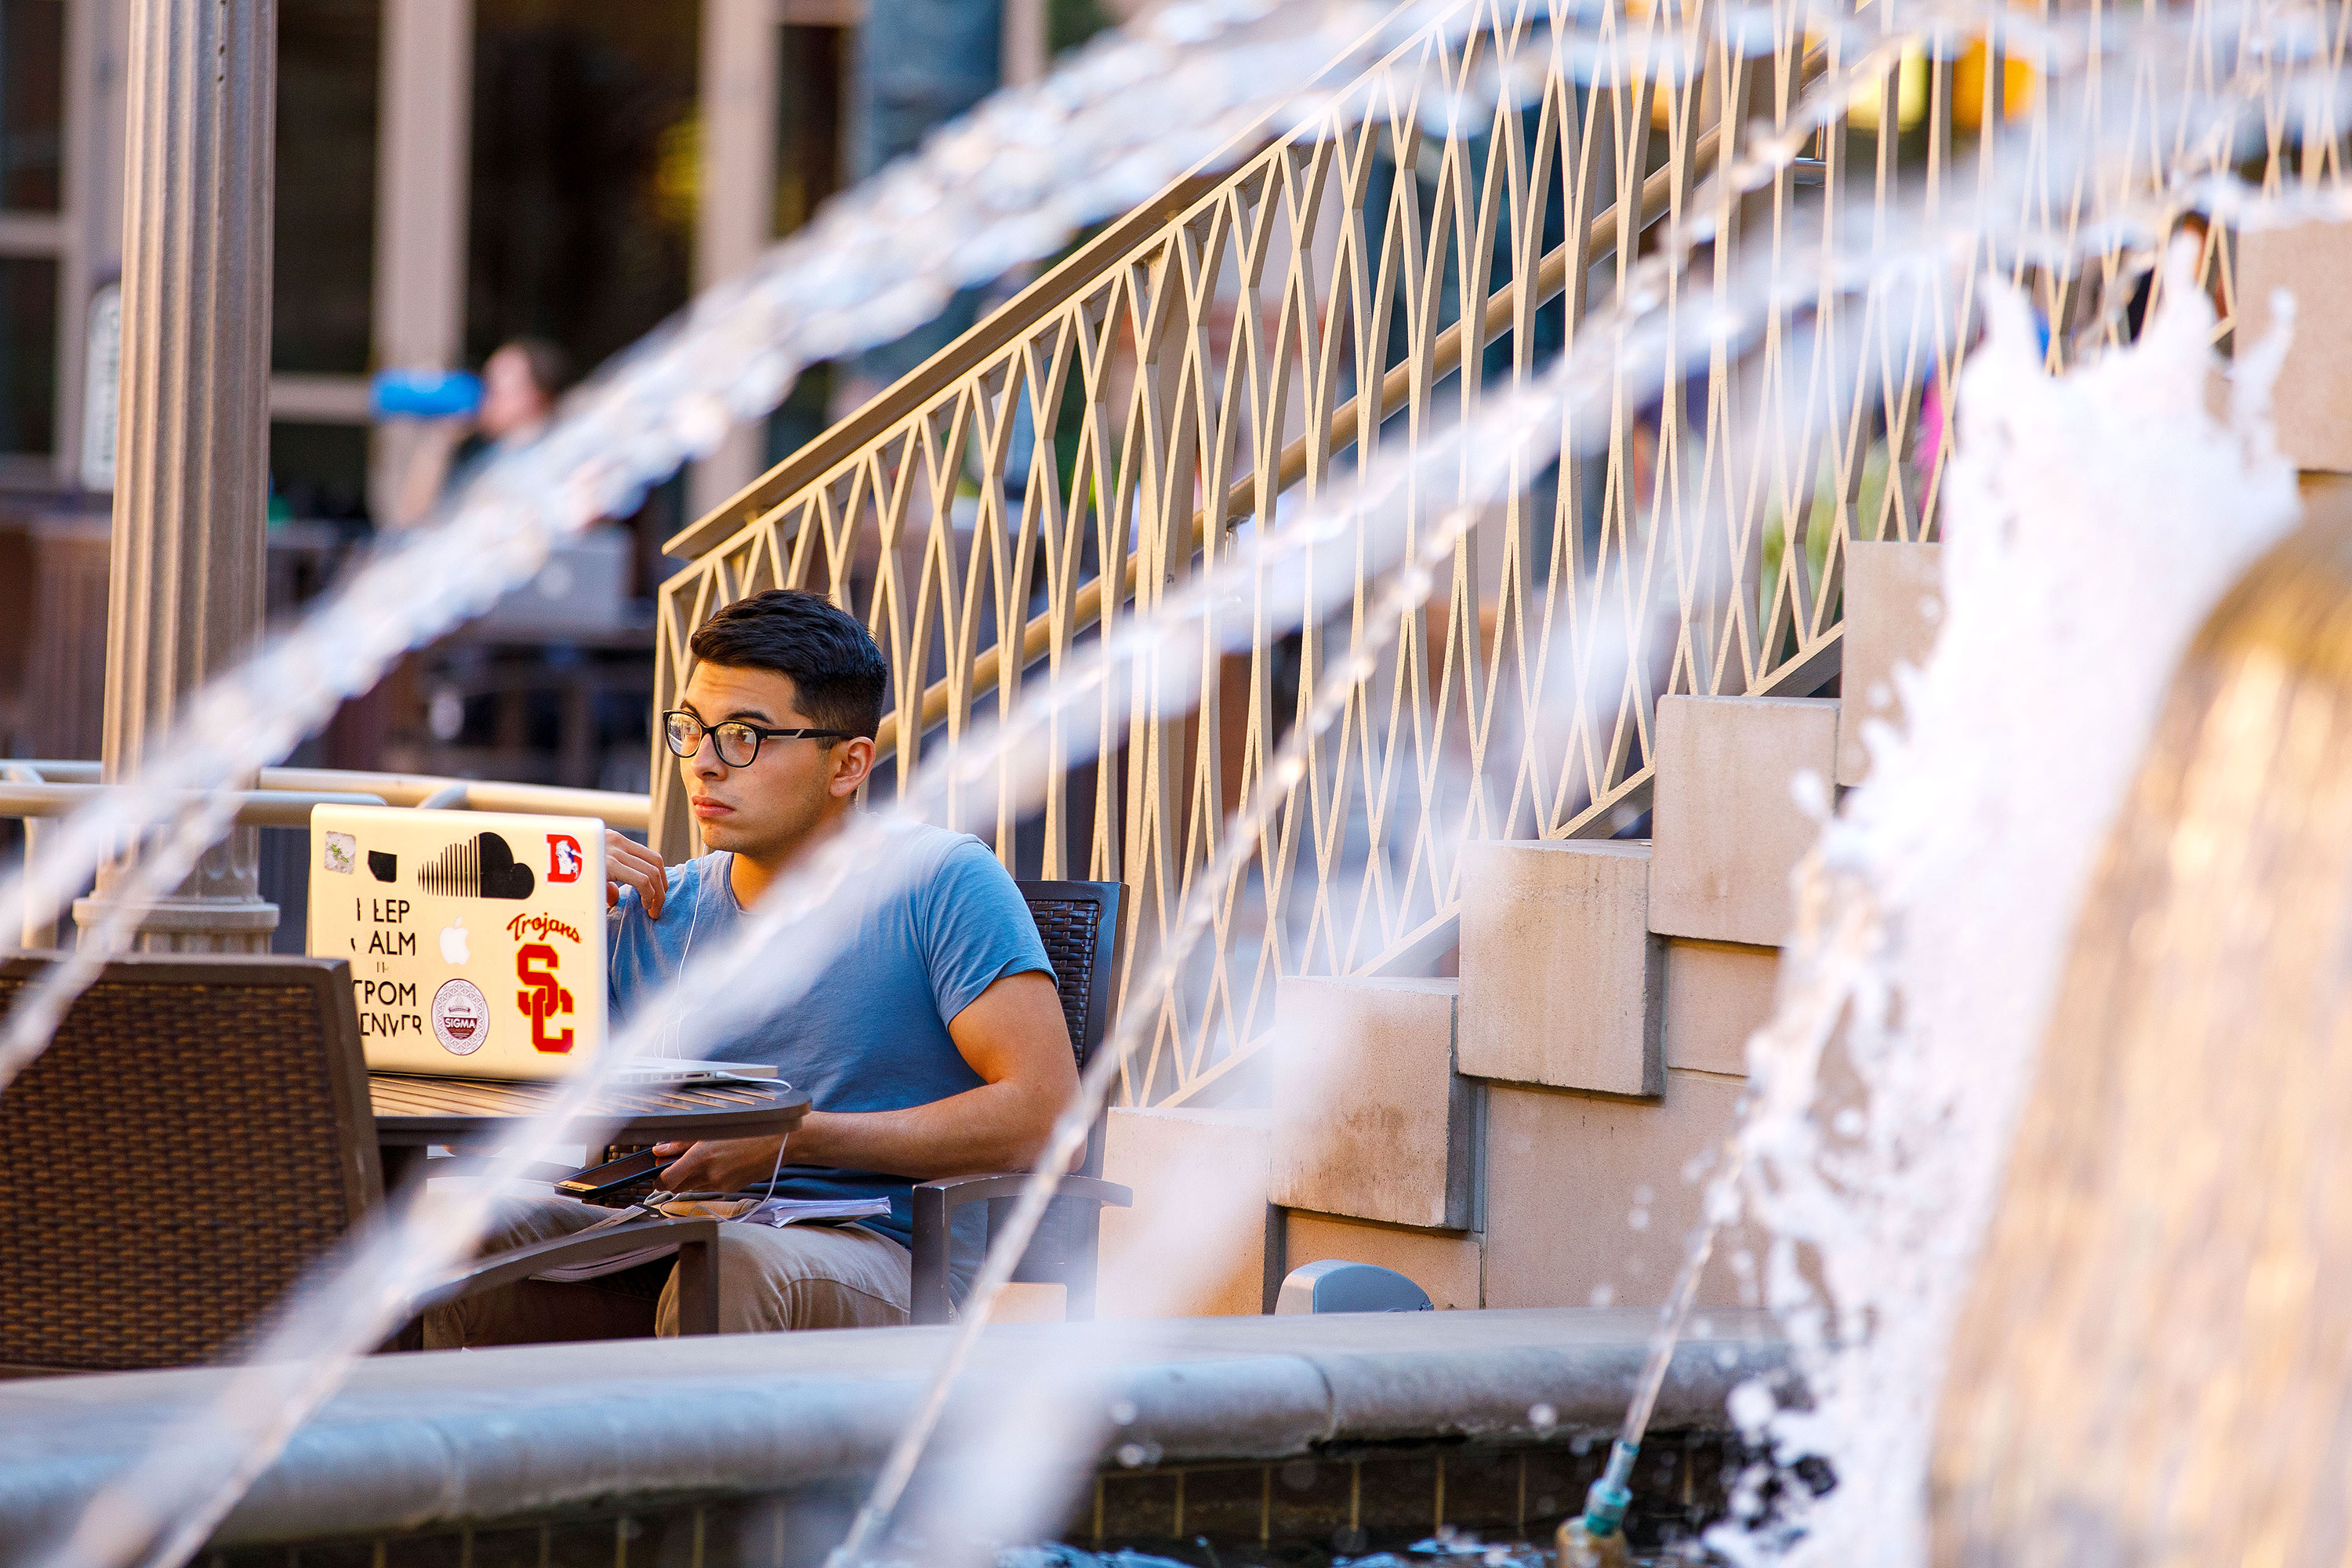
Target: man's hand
719 1165
627 860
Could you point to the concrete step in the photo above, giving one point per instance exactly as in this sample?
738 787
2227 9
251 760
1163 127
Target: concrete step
2313 395
1373 1119
1561 979
1204 1173
1727 825
1894 604
1198 1169
1565 985
1587 1200
1520 1136
1614 1057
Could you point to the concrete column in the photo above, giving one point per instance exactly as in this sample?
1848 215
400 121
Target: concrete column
735 215
192 476
1028 49
424 156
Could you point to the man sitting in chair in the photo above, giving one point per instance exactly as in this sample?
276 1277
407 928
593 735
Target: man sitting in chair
932 1044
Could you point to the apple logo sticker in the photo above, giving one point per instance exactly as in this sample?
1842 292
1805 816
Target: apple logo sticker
453 941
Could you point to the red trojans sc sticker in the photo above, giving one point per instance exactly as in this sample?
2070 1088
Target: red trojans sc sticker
543 998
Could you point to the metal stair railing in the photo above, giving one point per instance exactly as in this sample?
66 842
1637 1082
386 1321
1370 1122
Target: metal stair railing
1249 336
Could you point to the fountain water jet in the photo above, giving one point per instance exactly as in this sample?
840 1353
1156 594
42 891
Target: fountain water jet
2151 1366
2096 519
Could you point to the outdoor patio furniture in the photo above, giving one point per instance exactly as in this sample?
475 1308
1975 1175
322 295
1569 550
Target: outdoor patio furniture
194 1140
1079 921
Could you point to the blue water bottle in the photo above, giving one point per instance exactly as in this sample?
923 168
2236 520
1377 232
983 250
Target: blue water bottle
424 394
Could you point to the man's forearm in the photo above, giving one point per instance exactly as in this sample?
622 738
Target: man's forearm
996 1127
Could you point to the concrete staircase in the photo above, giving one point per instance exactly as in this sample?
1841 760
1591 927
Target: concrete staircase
1520 1135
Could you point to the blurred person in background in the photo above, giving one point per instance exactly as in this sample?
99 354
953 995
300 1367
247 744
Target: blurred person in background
521 382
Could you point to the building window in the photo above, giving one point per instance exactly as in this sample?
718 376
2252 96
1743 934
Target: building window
327 75
319 472
812 81
584 157
32 186
32 104
29 355
810 77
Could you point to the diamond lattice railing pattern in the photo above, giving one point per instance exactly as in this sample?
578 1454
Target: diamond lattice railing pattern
1252 340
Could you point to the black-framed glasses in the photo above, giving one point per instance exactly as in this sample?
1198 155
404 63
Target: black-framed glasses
738 741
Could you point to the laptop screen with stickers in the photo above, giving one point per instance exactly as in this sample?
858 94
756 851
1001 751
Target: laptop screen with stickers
476 938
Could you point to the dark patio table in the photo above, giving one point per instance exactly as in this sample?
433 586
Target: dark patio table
413 1111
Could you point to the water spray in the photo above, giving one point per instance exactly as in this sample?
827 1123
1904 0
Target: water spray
1606 1508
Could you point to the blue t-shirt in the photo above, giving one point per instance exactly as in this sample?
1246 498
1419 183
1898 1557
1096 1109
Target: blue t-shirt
872 1032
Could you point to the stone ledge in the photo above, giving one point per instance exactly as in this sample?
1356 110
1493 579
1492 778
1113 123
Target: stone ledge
415 1441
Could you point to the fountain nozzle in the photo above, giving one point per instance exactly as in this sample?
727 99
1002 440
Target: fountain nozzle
1595 1538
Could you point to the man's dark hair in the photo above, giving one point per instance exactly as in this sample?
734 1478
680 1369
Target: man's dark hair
838 677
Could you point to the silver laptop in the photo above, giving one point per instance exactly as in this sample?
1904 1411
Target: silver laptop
476 938
477 942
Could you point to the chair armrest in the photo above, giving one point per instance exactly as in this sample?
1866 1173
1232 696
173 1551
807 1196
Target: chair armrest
935 1205
698 1276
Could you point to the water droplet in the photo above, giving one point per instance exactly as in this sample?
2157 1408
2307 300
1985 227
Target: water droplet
1751 1404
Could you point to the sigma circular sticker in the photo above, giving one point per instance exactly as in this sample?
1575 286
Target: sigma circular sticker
461 1017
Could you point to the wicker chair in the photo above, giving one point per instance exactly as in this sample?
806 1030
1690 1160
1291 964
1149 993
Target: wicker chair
195 1138
1079 921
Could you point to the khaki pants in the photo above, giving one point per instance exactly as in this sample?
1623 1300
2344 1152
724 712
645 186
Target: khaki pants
796 1277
